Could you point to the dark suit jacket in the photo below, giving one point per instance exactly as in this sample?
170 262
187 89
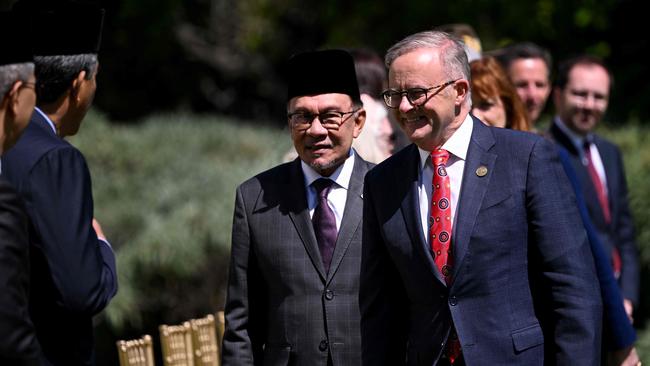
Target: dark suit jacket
73 273
619 232
524 289
617 329
18 345
282 307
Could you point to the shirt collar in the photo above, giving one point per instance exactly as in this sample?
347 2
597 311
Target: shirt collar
49 121
341 175
458 143
576 139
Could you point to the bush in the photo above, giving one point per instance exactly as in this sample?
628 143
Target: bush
164 193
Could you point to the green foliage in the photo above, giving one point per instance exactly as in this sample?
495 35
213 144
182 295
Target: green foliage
636 154
164 193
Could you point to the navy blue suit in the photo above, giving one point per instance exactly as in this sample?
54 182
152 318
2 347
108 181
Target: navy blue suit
525 290
619 232
617 328
18 345
73 272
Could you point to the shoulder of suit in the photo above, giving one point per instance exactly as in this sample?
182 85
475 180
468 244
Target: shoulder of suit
36 141
603 142
512 139
277 174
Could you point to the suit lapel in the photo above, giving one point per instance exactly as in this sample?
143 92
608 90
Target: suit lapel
586 184
411 209
351 215
295 198
473 190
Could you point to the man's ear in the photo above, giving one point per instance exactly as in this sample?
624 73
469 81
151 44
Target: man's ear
462 88
359 121
77 82
11 97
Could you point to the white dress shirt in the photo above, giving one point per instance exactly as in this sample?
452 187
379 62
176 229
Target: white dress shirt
338 194
457 146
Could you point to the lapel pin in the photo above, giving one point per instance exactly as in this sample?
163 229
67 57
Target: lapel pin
482 171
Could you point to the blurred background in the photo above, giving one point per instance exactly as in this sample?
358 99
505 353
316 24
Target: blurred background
191 102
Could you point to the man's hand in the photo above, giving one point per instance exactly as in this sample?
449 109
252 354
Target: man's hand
629 309
98 230
624 357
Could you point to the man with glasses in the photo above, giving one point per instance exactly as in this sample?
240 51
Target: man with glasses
73 275
296 238
473 248
581 96
17 97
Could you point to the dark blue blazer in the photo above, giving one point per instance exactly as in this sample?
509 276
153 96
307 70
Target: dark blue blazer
525 290
619 232
72 271
18 345
617 328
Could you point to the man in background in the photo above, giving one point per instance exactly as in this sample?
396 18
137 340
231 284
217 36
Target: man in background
72 264
581 96
529 68
18 345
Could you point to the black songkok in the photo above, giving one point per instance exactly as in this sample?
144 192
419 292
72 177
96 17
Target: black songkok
322 72
64 28
16 39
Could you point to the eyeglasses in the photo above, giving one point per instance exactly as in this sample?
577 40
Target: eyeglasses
415 96
331 120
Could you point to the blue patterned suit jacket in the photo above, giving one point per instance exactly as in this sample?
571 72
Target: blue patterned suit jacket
525 290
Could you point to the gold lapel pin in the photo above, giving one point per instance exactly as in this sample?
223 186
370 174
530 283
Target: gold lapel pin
481 171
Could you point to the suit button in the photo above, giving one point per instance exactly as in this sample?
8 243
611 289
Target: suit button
453 301
323 345
329 295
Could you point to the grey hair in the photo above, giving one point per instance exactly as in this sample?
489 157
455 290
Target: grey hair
11 73
452 50
54 74
452 53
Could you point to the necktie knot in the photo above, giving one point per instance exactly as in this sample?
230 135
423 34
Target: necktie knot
322 186
439 157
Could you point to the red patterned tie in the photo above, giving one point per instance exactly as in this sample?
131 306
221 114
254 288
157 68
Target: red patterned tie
604 203
440 214
440 232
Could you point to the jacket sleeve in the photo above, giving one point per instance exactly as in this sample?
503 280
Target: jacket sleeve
59 201
244 310
19 345
625 238
622 333
567 285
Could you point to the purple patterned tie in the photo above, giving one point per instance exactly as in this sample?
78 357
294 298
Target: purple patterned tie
324 222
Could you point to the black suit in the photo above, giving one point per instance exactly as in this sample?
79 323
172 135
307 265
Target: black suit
73 272
18 345
619 232
283 308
